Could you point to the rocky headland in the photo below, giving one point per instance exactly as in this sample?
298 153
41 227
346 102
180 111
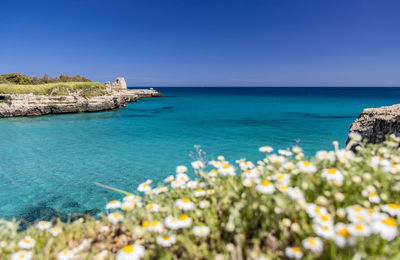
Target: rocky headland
117 95
374 124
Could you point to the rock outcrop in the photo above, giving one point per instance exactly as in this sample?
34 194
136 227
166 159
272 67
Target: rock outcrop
119 83
375 123
35 105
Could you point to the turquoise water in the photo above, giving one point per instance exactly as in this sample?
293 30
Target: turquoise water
49 164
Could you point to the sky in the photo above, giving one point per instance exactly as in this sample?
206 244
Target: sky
205 42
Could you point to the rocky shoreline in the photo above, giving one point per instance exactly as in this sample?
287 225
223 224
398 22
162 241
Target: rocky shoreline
374 124
13 105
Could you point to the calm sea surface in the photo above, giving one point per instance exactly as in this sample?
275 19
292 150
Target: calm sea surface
48 164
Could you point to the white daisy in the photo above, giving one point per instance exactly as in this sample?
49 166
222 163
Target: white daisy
115 217
26 243
185 204
171 223
152 207
130 252
156 226
275 159
359 230
315 210
204 204
325 231
266 149
293 252
226 170
314 244
324 219
65 255
392 208
325 156
385 226
253 173
166 240
114 204
181 169
248 182
182 177
178 184
265 187
281 178
333 175
201 231
192 184
393 168
246 165
343 236
55 231
43 225
169 179
213 173
184 221
297 149
295 193
306 167
197 165
144 187
22 255
373 197
285 152
199 193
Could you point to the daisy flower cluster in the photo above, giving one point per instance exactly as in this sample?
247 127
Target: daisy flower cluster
343 203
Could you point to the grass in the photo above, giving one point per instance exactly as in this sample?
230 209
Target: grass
85 89
334 205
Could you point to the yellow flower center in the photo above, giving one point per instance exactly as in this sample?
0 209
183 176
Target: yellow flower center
113 202
394 206
183 217
165 237
344 232
312 241
359 227
280 177
317 209
283 187
154 223
389 222
27 240
373 194
331 170
145 224
306 163
128 249
265 183
150 206
296 250
185 200
357 208
199 190
22 255
325 227
324 218
226 166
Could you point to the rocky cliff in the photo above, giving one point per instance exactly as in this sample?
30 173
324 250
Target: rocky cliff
34 105
375 123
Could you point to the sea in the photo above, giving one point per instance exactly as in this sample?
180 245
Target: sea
49 164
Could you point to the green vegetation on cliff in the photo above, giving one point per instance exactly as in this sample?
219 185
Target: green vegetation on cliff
86 89
22 79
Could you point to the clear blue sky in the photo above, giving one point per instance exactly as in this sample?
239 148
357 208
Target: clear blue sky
206 42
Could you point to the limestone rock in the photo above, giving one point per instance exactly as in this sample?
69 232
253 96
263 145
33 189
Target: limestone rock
34 105
375 123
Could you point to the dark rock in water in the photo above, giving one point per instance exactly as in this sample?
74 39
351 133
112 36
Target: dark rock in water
40 212
374 124
71 204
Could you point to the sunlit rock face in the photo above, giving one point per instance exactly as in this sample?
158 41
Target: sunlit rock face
119 83
375 123
35 105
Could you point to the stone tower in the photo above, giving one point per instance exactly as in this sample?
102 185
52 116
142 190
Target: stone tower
119 83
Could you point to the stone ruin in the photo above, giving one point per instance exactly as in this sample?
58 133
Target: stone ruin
119 83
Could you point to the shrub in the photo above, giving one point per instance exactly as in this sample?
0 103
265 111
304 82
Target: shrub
336 204
22 79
